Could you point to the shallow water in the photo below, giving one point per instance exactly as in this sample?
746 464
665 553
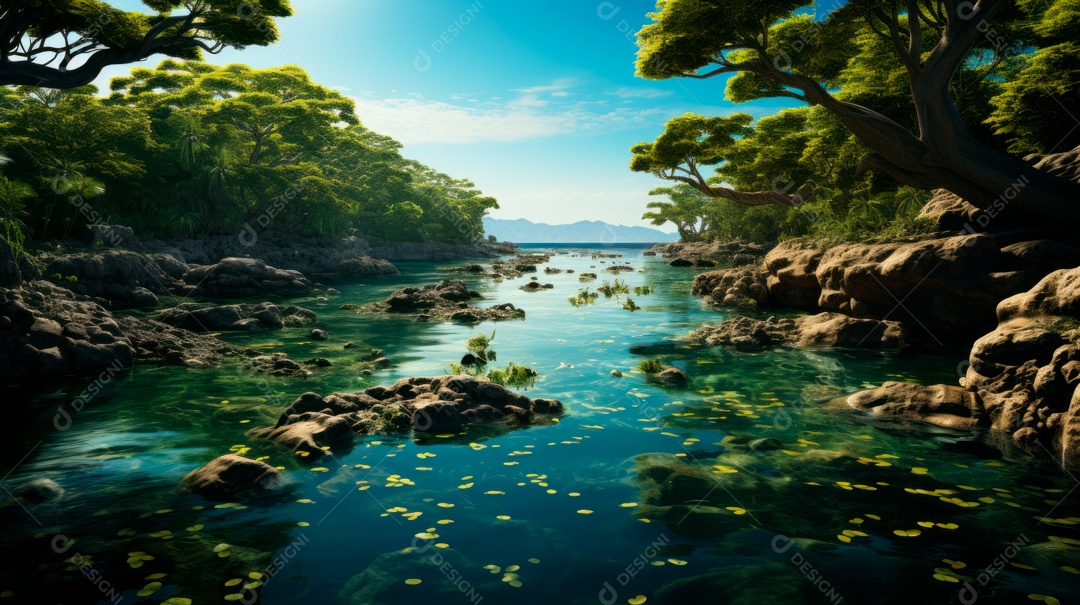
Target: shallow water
328 541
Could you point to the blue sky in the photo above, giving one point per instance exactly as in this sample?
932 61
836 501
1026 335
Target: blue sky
536 102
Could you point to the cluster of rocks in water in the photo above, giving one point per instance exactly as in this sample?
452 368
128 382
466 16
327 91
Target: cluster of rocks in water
708 254
447 300
57 315
1021 379
1016 294
314 424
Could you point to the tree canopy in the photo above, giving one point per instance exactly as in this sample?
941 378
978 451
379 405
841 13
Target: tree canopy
188 148
66 43
690 142
904 78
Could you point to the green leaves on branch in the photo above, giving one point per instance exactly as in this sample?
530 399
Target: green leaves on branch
66 43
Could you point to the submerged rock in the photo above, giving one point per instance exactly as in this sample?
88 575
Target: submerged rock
940 405
535 286
277 364
231 476
672 376
308 432
33 493
822 330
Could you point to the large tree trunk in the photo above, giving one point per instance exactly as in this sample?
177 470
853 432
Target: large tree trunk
944 155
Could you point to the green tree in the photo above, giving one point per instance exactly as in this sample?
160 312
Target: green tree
66 43
769 51
685 208
689 143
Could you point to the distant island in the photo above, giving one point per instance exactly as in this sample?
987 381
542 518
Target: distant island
522 231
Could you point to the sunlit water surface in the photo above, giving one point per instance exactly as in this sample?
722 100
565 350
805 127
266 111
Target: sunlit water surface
528 491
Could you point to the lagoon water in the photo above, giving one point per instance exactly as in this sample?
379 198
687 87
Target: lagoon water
843 509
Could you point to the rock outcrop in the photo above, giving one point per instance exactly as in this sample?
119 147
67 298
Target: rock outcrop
421 405
708 254
158 343
942 288
733 287
447 300
230 477
1026 371
243 318
127 280
821 330
245 278
46 331
1022 379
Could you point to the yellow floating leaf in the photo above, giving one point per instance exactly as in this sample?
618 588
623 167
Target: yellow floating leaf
638 600
413 581
585 511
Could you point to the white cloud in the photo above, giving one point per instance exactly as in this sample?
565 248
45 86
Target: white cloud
640 93
412 119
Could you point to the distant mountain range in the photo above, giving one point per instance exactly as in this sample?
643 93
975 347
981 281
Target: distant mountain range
522 231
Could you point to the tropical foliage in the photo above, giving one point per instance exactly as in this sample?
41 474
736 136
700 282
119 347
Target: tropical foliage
902 99
190 148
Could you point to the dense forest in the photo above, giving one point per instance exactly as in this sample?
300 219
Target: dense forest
191 148
1014 93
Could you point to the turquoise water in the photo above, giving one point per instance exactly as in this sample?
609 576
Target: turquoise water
751 526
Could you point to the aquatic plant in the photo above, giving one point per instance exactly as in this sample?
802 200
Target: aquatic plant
479 348
651 366
643 290
584 297
630 305
609 290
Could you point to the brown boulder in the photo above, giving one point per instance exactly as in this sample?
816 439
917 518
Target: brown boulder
231 476
308 432
940 405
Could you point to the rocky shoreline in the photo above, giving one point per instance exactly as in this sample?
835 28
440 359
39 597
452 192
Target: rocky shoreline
58 319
